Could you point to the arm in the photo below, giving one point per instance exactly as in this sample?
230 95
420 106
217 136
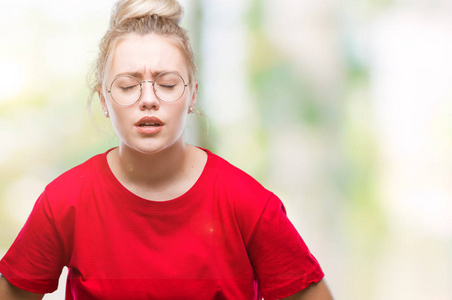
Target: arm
11 292
316 291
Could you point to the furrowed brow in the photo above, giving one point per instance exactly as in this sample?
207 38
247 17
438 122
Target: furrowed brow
139 75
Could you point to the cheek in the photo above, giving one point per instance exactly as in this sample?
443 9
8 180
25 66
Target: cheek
180 115
181 108
118 119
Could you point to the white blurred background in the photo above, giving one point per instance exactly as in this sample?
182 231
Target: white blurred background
342 108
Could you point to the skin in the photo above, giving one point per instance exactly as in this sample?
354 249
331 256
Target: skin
10 292
158 166
316 291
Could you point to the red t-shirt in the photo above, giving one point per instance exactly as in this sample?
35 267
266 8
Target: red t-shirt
225 238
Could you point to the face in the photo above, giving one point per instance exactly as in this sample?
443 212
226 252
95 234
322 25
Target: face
149 125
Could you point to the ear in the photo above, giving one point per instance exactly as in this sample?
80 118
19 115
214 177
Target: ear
101 97
194 96
102 100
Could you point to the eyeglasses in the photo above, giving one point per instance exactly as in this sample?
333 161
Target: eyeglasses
167 87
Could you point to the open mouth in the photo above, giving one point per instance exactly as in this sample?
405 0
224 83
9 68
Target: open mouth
150 125
149 121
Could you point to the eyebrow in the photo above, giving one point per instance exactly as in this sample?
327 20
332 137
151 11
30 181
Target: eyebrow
140 74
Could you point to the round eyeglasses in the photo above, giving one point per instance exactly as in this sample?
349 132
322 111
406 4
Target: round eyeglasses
167 87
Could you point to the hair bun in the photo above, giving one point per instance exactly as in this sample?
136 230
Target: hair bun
131 9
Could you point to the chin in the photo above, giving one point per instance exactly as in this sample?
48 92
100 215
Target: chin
150 148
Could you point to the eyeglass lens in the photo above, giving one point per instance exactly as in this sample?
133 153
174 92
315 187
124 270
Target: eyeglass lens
126 89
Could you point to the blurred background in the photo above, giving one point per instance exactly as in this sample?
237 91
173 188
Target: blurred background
341 107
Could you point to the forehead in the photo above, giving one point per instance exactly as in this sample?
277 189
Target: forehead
147 55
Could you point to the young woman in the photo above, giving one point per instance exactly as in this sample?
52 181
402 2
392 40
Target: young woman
156 218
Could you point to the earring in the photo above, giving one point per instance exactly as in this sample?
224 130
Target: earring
106 113
191 110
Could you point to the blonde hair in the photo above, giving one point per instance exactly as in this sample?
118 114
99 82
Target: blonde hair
161 17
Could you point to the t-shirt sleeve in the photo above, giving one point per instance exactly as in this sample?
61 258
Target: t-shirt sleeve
35 260
281 260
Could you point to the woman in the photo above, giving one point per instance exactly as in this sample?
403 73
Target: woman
156 218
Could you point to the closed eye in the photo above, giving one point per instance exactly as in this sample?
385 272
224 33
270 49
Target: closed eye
167 86
130 87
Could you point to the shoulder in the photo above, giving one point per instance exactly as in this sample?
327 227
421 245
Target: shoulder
245 195
66 190
57 206
236 182
75 175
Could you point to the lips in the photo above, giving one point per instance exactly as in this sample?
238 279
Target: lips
149 125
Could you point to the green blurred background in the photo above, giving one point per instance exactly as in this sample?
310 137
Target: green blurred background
342 108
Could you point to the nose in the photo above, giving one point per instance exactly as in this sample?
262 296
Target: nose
148 98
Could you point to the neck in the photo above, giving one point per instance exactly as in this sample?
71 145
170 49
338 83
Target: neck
156 168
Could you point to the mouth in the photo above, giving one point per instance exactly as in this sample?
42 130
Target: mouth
149 121
149 125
